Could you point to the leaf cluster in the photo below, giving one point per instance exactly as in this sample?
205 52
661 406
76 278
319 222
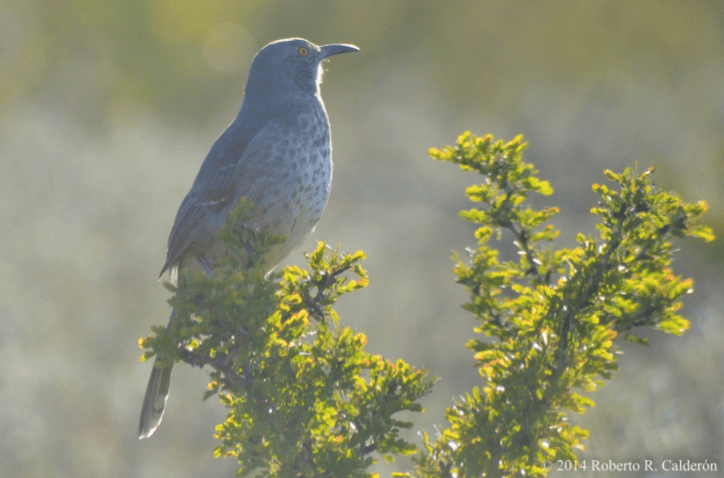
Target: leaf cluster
548 320
304 398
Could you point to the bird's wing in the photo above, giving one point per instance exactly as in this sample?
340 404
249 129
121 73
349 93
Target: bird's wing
218 185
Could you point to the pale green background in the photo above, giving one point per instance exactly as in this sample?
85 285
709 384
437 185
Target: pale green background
108 108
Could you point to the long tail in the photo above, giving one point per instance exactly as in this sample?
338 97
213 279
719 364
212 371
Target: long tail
155 400
156 394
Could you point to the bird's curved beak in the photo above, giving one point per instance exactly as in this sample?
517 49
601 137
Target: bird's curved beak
329 50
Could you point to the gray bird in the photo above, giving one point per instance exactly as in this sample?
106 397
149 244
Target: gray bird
277 153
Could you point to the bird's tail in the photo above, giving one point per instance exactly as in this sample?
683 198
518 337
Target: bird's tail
155 400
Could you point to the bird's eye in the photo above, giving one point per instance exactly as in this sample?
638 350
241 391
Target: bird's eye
303 51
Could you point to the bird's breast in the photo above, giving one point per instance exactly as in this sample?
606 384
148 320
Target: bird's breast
291 197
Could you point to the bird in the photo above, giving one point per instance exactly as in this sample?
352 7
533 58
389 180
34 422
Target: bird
276 153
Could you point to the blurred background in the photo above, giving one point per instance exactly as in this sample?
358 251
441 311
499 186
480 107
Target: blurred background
107 109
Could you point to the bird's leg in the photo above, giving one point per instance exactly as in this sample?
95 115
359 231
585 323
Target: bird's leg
205 264
247 246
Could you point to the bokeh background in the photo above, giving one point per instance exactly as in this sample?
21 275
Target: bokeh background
107 109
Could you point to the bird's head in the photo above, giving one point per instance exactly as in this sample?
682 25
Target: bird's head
290 62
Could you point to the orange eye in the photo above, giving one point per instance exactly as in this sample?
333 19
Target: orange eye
303 51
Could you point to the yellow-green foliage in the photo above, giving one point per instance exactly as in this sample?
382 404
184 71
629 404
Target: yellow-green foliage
548 321
304 397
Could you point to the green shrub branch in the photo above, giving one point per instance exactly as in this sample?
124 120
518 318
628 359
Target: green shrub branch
303 396
548 321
